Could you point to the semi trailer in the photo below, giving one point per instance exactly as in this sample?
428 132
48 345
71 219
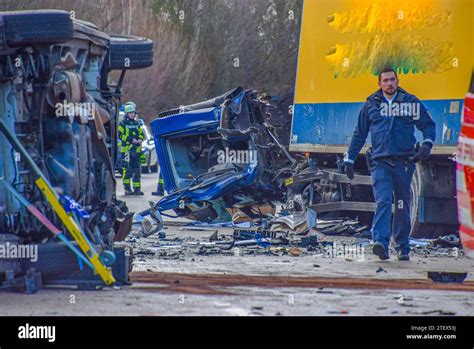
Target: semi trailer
344 45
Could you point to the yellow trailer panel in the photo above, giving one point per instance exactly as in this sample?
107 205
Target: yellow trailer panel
345 43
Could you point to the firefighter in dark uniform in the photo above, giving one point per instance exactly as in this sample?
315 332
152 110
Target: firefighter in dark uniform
390 115
122 150
131 137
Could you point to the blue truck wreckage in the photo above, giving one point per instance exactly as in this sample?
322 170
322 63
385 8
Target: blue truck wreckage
191 144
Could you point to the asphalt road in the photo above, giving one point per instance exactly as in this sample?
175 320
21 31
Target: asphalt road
175 277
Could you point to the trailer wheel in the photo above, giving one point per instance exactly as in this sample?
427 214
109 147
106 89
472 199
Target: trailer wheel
24 28
130 52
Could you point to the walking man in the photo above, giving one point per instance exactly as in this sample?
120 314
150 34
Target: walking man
390 115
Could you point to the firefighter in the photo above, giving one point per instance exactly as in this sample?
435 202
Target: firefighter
131 138
391 115
122 150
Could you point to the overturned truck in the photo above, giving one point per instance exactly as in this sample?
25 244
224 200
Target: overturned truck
58 136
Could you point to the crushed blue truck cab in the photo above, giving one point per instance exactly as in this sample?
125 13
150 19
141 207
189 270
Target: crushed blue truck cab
193 144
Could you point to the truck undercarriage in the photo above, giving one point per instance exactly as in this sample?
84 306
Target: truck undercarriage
59 130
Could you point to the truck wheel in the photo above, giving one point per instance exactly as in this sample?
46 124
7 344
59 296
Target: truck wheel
130 52
24 28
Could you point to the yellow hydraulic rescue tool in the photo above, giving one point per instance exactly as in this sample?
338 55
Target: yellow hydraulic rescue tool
66 218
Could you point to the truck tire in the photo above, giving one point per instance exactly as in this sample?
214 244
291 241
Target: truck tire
25 28
130 52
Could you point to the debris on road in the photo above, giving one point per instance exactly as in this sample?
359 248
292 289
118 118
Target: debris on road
446 246
260 237
294 252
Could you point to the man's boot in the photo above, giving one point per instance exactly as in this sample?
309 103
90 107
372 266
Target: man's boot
160 190
138 192
380 251
403 256
128 190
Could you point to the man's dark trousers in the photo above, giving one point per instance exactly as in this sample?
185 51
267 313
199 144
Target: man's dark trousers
390 177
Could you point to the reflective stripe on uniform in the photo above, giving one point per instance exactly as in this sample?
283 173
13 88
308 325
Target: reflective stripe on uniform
125 136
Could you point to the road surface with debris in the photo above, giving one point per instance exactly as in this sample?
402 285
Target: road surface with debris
189 270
